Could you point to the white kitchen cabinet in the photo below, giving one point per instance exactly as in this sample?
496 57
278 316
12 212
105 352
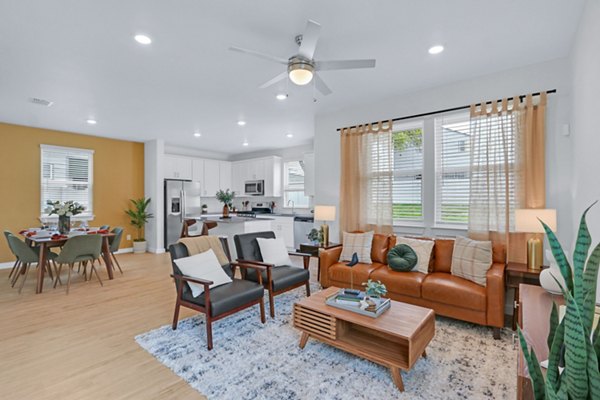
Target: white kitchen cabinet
178 167
309 174
211 178
267 169
225 175
284 228
198 170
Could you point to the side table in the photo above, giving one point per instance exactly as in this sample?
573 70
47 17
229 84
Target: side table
516 274
314 250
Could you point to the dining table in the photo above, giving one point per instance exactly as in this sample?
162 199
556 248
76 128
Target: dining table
45 243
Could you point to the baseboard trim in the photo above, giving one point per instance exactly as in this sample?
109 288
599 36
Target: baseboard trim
125 250
7 265
156 251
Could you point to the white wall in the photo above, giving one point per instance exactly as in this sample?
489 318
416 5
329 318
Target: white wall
586 106
153 188
545 76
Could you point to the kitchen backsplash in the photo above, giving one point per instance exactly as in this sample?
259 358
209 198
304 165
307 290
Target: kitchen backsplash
215 206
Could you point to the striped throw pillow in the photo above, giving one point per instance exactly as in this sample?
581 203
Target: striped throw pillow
359 243
471 259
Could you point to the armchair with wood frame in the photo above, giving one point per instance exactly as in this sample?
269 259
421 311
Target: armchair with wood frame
276 279
217 302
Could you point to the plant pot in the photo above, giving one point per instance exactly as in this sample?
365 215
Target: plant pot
64 224
139 247
225 211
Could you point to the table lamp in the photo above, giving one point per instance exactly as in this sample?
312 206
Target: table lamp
528 220
325 214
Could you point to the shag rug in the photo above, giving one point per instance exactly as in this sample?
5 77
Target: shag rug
255 361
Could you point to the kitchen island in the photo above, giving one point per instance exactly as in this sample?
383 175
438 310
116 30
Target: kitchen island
229 227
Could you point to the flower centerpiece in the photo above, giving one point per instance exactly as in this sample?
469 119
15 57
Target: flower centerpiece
64 210
225 197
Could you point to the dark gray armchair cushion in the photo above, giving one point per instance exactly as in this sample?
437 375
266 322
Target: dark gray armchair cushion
227 297
282 277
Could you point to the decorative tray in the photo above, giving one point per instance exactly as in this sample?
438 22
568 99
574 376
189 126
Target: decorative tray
353 303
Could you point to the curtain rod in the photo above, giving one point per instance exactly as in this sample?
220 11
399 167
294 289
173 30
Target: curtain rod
452 109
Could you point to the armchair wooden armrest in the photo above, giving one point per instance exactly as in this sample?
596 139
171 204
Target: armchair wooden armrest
186 278
299 254
258 268
260 263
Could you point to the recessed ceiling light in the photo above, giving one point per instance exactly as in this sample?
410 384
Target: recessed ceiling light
281 96
245 143
197 134
241 123
142 39
289 135
91 121
437 49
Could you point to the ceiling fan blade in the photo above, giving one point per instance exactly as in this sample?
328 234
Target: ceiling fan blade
343 64
321 86
310 37
259 54
273 81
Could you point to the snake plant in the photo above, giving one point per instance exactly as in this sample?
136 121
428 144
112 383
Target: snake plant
571 339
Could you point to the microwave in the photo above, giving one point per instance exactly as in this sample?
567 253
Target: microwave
254 188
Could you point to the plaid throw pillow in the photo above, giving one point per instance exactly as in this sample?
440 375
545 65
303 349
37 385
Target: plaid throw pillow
471 259
359 243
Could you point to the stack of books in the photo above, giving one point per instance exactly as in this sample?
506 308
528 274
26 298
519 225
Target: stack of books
349 299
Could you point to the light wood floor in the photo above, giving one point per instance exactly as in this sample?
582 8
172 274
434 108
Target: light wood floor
81 346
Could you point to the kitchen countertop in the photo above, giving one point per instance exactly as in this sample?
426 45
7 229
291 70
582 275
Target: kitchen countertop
232 220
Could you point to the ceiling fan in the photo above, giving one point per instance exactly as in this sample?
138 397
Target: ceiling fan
301 67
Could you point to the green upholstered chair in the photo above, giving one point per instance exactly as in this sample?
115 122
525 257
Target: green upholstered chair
79 249
114 243
19 269
16 264
25 255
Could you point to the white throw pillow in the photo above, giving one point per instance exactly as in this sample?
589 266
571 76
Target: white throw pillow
422 248
359 243
471 259
274 252
203 266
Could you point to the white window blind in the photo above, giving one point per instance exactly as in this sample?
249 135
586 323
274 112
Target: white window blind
293 185
67 174
452 165
407 187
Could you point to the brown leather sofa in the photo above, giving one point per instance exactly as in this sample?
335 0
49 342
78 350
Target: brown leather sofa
446 294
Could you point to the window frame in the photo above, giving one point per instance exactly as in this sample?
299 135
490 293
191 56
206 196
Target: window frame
88 214
287 189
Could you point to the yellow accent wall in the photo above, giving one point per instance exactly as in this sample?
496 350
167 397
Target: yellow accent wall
118 177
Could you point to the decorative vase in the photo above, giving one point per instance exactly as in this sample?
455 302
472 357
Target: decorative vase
225 211
64 224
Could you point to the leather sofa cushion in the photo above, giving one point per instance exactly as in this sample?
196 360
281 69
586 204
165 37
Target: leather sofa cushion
498 253
380 248
405 283
340 272
229 296
283 277
445 288
442 254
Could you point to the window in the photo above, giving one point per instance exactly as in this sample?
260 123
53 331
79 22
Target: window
452 166
293 185
66 175
407 187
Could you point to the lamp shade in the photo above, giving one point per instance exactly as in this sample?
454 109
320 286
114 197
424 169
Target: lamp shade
528 219
325 213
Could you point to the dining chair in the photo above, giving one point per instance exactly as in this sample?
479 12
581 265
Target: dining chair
84 249
26 256
220 301
275 279
16 264
114 242
18 269
206 226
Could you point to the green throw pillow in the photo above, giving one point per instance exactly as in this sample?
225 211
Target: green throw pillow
402 258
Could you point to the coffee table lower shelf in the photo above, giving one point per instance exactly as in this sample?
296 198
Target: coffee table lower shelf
372 341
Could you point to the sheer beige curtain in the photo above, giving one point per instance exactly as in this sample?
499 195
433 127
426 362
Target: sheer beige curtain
507 168
366 178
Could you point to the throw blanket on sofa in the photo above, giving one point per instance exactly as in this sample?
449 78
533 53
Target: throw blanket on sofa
200 244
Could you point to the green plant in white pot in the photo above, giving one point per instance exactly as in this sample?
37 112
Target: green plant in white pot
139 217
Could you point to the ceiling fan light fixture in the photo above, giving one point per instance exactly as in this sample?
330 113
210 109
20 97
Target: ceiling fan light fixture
300 71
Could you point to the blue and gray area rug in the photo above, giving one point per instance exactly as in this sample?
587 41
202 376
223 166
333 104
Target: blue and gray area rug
255 361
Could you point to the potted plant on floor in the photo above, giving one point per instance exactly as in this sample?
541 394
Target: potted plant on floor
574 343
139 216
225 197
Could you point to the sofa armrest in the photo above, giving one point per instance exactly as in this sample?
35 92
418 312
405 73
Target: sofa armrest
495 290
326 259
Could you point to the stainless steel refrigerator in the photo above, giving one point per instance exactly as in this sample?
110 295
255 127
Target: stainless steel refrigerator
182 200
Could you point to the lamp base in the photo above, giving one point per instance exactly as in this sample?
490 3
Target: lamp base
534 254
325 228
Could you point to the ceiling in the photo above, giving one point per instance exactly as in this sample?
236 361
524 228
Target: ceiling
81 55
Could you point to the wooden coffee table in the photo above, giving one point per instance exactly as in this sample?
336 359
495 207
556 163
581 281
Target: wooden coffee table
395 340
